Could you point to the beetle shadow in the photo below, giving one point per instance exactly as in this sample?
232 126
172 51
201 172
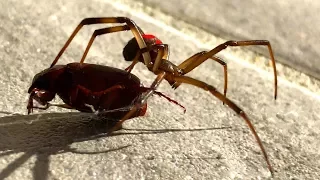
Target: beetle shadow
42 135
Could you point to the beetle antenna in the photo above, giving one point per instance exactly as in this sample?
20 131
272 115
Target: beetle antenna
170 100
164 96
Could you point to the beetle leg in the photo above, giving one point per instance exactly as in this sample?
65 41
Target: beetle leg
88 92
97 93
106 91
92 108
41 107
65 106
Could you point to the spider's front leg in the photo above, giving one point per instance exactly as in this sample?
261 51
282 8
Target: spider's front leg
197 59
193 62
201 57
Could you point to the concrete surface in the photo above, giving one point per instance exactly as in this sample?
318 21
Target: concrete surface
207 142
292 27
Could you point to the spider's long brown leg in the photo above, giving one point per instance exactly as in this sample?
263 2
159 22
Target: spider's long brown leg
99 32
193 62
163 54
233 106
245 43
140 102
137 32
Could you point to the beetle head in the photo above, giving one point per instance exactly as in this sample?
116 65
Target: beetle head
41 97
132 47
42 89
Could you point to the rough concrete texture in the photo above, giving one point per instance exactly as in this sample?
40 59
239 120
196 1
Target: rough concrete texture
207 142
292 26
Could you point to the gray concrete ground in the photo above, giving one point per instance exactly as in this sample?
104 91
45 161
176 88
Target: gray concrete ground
291 26
207 142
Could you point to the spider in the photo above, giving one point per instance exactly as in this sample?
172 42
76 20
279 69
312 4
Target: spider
154 54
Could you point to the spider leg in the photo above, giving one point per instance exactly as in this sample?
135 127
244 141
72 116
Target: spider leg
134 62
223 46
193 62
99 32
232 105
163 54
130 25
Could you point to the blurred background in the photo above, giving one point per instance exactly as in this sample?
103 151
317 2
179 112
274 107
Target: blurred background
292 27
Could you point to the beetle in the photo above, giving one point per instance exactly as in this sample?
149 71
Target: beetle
89 88
150 50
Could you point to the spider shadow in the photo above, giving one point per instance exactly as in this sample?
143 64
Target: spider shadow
42 135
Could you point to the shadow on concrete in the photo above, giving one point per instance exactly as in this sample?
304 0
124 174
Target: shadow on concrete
43 135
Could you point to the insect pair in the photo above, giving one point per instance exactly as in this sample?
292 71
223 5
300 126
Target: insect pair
90 87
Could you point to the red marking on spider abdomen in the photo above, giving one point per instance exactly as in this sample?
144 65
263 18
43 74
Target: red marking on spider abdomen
150 37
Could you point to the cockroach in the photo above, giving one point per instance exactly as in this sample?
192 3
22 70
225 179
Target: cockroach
154 54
